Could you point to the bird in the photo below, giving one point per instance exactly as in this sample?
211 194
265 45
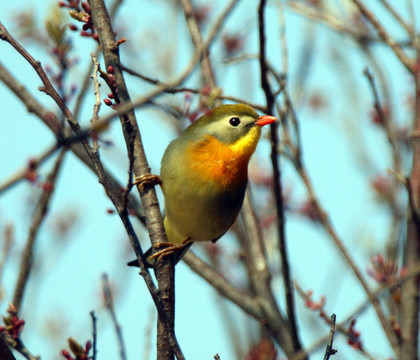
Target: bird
204 176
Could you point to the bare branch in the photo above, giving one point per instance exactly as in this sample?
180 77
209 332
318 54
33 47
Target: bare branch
48 88
109 303
167 343
83 153
164 87
38 218
329 228
223 286
94 334
32 105
331 21
260 277
407 27
206 67
385 36
278 188
384 120
409 318
97 105
21 174
87 76
19 346
5 352
330 351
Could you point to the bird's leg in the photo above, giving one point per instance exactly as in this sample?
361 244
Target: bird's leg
162 244
147 179
168 250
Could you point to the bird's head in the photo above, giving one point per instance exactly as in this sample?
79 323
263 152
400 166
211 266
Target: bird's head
230 124
220 143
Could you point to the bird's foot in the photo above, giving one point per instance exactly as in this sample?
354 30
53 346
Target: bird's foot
169 249
147 179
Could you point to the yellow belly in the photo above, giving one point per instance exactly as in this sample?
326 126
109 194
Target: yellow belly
198 213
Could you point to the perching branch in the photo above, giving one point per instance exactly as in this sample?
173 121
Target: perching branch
167 344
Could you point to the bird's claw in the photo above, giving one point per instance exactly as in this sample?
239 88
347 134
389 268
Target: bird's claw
169 249
146 179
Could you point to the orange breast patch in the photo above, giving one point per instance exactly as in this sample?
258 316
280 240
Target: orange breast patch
224 164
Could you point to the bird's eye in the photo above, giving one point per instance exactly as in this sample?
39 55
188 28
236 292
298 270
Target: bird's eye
234 121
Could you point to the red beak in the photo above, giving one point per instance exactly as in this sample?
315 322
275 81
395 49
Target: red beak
265 120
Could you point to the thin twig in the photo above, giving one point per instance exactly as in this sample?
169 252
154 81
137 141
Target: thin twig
360 309
283 40
5 352
129 185
38 218
94 334
48 88
32 104
163 87
177 90
407 27
386 37
97 105
278 191
342 328
412 14
35 162
260 278
329 20
329 228
50 120
411 273
109 304
19 346
381 82
197 39
332 22
86 78
383 119
330 351
8 238
85 84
